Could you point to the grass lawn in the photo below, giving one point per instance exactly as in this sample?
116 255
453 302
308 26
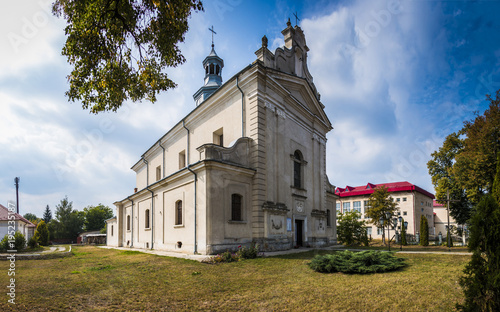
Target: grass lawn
96 279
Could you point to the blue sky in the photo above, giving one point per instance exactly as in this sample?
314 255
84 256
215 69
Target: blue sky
395 76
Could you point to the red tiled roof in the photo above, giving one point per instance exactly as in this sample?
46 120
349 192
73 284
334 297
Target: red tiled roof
436 204
391 187
4 216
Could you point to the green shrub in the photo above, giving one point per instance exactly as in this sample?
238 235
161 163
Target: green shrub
251 252
363 262
42 233
351 229
424 231
481 282
33 242
18 244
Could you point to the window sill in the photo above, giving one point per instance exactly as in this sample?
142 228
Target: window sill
236 222
178 226
128 231
147 229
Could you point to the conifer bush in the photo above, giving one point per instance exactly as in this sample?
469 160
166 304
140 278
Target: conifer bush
364 262
424 231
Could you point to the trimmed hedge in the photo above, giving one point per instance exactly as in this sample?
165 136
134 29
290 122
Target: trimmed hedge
363 262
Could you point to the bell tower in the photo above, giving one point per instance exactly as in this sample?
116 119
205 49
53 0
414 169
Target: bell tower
212 65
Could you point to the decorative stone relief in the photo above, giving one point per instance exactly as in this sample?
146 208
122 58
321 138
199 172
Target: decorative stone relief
320 226
299 206
277 224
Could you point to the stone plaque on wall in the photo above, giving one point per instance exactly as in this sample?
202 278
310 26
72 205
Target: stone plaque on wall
277 224
320 225
299 206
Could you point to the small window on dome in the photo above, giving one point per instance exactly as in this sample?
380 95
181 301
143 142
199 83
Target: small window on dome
217 69
211 69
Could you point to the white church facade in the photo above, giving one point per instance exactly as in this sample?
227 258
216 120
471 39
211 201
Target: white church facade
247 165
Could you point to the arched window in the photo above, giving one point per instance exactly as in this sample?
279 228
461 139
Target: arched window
297 169
206 70
128 223
111 230
178 212
236 207
217 69
146 219
212 69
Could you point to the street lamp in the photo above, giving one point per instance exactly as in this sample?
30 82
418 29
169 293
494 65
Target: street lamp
400 219
388 217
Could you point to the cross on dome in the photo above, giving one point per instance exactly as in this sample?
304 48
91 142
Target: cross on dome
213 33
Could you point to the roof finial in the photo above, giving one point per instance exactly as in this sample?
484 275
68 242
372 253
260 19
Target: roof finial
213 33
296 18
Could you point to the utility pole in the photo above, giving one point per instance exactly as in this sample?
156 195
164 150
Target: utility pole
16 181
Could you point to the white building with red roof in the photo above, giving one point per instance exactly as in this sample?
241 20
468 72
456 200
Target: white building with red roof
20 223
413 202
441 220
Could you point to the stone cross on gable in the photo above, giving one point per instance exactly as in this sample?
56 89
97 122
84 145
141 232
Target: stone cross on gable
213 33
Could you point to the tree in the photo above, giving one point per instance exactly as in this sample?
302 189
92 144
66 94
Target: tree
68 222
424 231
95 217
47 215
42 233
380 203
403 233
481 283
30 216
475 165
119 49
351 230
444 179
496 183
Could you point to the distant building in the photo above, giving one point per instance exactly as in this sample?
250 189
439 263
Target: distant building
21 224
412 201
441 220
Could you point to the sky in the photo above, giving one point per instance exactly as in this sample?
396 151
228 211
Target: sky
395 76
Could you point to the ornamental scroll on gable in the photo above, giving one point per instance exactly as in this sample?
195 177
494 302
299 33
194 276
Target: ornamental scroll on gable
290 59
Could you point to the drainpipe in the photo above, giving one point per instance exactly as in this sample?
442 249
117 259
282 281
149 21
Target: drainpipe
195 183
132 224
152 201
242 108
163 148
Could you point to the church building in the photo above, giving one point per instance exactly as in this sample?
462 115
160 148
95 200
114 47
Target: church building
246 165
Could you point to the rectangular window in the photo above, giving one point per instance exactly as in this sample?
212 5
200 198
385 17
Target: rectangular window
236 207
338 208
369 231
346 207
158 173
218 137
404 199
182 159
356 206
398 199
146 219
405 213
178 212
380 231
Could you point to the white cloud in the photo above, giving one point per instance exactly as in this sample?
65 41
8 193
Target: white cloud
27 35
365 66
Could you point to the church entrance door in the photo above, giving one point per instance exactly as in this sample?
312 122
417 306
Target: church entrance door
299 232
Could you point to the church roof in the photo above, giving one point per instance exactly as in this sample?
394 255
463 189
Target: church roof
370 188
4 216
